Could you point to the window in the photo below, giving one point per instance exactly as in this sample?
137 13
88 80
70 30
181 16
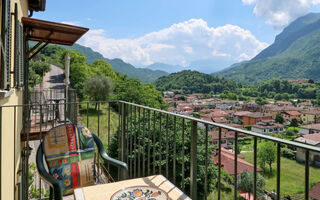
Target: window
6 45
18 51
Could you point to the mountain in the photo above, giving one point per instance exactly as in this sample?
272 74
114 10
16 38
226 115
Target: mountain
294 54
166 67
194 82
143 74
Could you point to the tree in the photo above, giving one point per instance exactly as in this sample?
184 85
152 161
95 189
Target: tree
267 155
142 141
279 119
246 182
98 88
260 101
294 122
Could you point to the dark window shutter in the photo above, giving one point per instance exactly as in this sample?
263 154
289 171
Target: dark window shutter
21 55
7 46
16 49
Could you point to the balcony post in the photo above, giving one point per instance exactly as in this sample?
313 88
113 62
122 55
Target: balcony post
123 131
193 161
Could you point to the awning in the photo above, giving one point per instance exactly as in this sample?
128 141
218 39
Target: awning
50 32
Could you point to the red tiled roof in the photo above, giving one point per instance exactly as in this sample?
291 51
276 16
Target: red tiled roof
311 126
311 112
306 103
293 113
313 136
314 193
227 162
241 113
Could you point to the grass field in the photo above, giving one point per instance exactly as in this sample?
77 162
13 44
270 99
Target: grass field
292 176
102 129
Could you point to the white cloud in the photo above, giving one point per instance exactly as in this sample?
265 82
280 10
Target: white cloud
180 44
279 13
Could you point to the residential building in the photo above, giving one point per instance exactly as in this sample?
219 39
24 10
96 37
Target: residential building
254 118
17 28
314 192
267 127
311 139
289 115
309 129
310 116
283 103
305 105
238 116
227 162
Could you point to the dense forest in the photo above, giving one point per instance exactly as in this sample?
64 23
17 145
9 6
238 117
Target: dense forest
188 82
124 88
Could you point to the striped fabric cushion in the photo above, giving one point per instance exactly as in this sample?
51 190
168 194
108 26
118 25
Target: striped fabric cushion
69 153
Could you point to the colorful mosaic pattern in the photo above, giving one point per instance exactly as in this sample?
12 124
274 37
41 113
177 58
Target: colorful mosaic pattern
69 152
140 193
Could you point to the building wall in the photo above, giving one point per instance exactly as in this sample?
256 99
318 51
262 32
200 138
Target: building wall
250 120
307 118
300 156
11 124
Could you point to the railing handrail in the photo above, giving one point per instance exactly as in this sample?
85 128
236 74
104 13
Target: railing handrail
274 139
230 128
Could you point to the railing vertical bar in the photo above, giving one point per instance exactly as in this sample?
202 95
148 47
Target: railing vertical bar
149 140
40 144
174 148
87 115
123 132
255 167
144 142
154 143
119 135
193 160
135 143
108 147
127 132
160 144
219 164
306 189
139 144
182 155
278 169
236 165
99 172
206 164
167 146
131 142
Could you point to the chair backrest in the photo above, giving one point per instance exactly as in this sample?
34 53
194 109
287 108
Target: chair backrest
69 153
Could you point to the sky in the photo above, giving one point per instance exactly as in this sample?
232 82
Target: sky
178 32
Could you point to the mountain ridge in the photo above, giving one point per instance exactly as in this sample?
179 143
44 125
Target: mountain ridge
293 55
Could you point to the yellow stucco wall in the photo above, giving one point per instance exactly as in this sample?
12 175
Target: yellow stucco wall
307 118
11 124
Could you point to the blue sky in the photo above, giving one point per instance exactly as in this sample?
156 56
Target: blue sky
122 23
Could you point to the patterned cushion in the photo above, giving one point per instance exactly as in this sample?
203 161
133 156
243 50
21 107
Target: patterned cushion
69 153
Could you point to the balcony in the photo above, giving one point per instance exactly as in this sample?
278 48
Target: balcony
153 141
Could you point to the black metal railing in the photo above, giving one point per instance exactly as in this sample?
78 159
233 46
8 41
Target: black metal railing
150 141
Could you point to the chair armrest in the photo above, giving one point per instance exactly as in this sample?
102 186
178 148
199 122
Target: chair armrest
54 183
108 159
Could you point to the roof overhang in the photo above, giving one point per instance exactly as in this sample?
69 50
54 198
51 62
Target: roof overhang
50 32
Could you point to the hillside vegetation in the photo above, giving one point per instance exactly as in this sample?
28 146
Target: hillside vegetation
118 65
127 89
189 82
294 54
